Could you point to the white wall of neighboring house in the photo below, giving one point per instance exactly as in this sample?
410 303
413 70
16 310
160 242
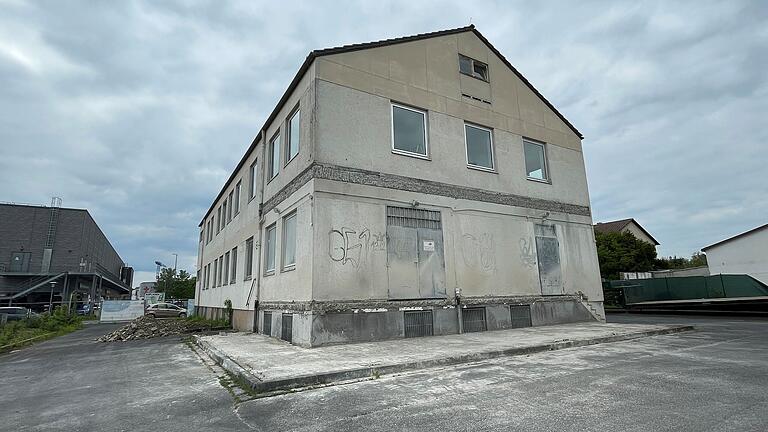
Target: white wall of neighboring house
743 255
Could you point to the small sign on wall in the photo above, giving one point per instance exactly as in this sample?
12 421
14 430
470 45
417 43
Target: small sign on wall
429 245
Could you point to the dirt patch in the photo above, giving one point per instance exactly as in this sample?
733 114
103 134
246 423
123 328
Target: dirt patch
146 327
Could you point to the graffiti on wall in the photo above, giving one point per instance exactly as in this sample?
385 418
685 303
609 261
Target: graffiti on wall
353 247
527 252
479 252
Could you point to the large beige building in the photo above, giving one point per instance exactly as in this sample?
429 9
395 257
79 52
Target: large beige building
407 187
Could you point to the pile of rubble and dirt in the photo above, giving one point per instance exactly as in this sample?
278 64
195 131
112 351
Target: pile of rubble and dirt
147 327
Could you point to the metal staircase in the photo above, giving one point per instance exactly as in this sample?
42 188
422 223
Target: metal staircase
35 283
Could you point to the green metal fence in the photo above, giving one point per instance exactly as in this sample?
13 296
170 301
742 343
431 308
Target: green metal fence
628 292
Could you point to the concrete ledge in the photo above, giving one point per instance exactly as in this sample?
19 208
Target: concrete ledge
261 383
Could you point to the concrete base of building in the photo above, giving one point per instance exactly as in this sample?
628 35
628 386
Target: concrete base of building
326 323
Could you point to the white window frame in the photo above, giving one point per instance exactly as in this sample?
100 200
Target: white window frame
289 136
238 189
248 261
221 268
226 268
466 148
547 175
224 210
233 271
425 122
215 270
273 170
253 172
230 200
290 266
267 250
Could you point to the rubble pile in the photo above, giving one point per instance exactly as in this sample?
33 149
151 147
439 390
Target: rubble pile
147 327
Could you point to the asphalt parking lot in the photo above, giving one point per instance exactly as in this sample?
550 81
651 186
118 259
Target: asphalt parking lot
712 379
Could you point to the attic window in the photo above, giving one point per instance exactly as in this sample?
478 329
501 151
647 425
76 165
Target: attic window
473 68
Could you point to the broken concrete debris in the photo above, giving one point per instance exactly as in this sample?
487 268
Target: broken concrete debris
146 327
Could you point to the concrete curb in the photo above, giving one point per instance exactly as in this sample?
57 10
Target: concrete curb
260 385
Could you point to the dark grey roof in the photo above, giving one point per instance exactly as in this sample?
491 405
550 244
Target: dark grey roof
745 233
618 225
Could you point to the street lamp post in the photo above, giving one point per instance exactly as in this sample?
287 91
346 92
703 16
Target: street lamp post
50 301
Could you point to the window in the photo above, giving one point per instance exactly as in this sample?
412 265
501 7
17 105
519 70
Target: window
224 211
248 258
479 142
226 268
535 161
231 204
221 268
205 277
254 176
294 136
274 159
215 270
409 131
269 248
208 276
473 68
233 276
218 221
236 203
289 241
202 234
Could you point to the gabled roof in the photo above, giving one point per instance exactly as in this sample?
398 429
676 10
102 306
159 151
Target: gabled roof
746 233
619 225
367 45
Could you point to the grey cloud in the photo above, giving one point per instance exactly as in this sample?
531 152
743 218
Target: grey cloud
139 110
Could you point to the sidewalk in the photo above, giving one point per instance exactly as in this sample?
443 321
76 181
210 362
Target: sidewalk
268 364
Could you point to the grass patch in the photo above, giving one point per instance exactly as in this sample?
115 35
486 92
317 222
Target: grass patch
208 323
26 332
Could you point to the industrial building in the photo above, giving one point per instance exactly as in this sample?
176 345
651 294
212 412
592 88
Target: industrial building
57 255
745 253
407 187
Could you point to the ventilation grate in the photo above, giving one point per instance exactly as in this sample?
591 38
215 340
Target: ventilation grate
520 315
413 218
473 319
286 333
418 323
266 326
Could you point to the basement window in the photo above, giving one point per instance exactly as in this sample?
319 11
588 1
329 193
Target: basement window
473 68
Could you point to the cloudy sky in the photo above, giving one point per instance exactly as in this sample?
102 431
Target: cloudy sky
138 111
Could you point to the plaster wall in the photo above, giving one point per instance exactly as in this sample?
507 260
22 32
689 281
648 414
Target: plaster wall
489 249
638 233
743 255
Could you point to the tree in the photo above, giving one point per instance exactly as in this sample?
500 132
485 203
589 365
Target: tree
623 252
697 259
176 285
